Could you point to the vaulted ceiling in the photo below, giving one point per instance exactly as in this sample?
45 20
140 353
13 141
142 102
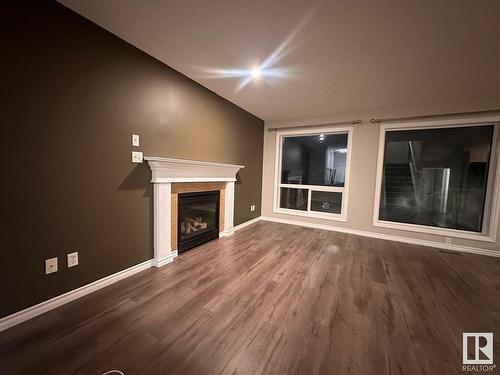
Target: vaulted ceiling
321 58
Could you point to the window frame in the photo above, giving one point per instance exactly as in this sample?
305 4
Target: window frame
492 199
323 129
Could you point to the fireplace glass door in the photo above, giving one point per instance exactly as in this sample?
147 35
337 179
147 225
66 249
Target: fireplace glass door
198 218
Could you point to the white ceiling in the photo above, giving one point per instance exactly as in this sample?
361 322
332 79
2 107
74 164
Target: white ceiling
349 56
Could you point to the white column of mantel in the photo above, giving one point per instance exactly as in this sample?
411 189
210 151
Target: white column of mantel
228 210
162 224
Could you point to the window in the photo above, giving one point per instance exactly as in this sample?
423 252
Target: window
437 180
312 172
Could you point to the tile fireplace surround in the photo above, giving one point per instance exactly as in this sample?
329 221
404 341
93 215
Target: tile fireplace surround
187 175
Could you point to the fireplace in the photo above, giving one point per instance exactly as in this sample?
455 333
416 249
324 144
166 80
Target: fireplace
173 177
198 218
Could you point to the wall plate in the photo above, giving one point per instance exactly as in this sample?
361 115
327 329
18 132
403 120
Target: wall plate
135 140
50 265
72 259
136 157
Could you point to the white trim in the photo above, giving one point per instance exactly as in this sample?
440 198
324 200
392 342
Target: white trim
228 209
160 262
382 236
427 229
193 179
247 223
322 129
490 217
238 227
347 178
165 170
191 162
162 198
224 233
313 214
40 308
334 189
277 169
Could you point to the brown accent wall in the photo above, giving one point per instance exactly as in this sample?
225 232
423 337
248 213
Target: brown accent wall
72 95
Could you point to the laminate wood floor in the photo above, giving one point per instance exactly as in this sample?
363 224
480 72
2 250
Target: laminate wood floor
272 299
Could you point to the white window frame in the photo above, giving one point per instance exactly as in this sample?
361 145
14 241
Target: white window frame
324 129
492 203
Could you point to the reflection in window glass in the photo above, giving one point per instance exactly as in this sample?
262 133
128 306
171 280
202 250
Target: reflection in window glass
436 177
295 199
314 160
326 201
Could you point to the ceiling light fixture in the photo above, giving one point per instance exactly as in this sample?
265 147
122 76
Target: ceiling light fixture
256 73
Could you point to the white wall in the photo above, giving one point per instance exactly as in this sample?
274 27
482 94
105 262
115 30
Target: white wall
362 182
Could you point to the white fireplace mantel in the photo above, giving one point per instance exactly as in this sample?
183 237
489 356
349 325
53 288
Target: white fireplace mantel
165 171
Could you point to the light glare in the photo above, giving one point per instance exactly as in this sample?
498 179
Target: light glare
266 69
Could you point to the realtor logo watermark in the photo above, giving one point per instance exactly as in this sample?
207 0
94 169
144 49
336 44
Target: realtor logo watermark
477 351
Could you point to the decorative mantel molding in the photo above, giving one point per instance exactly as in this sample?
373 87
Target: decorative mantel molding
180 170
165 171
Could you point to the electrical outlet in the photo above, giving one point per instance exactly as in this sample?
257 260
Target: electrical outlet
73 259
447 240
252 207
50 265
136 157
135 140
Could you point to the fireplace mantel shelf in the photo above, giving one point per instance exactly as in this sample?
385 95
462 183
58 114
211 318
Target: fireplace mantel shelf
167 170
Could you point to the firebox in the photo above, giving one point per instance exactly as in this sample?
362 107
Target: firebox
198 219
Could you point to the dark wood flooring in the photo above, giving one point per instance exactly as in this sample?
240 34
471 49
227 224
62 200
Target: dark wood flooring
273 299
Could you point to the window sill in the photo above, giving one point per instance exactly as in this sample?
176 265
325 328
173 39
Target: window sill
424 229
310 214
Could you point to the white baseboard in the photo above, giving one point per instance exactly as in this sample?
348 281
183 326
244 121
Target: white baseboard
239 226
247 223
165 260
382 236
31 312
226 233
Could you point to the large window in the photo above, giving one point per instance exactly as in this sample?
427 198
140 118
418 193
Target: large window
436 177
313 171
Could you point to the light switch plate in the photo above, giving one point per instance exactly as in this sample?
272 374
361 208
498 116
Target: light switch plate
73 259
136 157
135 140
252 207
50 265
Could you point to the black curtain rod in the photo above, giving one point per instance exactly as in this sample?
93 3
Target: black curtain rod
411 118
352 122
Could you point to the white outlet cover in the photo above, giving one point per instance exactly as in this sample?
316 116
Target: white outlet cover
136 157
135 140
73 259
50 265
252 207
